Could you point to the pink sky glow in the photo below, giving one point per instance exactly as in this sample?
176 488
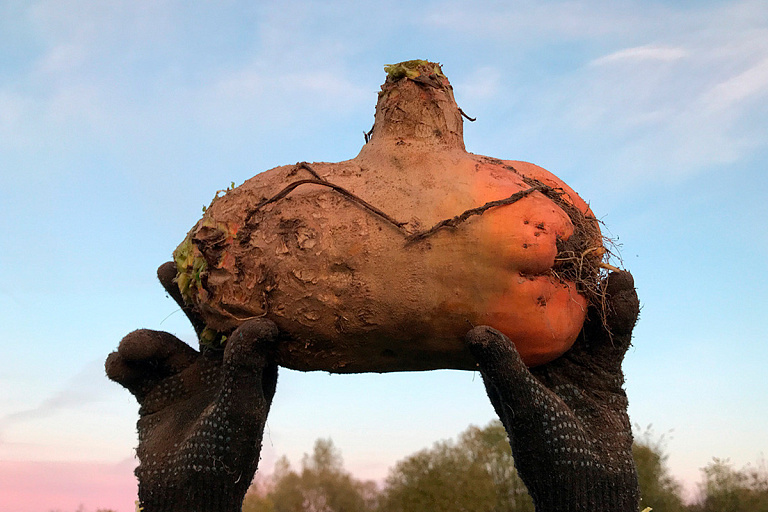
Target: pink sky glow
64 486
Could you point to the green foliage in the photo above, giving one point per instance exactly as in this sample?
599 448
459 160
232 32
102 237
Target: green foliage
657 487
256 503
474 474
257 499
725 489
322 485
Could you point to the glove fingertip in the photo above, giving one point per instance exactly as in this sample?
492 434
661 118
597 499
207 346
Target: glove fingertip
505 376
624 305
115 368
251 343
483 339
492 349
166 273
618 281
120 371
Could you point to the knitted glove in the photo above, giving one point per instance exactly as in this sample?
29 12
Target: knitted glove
567 420
201 416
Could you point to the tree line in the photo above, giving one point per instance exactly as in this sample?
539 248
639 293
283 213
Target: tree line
476 473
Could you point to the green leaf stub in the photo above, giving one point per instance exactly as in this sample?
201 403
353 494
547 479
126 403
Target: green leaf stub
412 69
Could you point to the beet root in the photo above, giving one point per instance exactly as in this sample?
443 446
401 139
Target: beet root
384 262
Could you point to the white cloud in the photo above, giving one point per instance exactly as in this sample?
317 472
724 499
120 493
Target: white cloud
242 83
483 84
254 89
12 108
63 58
128 74
679 104
663 92
744 86
529 21
675 81
84 388
639 53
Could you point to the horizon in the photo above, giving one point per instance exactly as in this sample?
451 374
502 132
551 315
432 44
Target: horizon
115 479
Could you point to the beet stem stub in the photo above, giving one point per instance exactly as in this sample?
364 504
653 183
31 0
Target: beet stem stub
416 103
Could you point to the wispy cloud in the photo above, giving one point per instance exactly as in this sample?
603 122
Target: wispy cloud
482 84
647 52
662 92
670 97
749 85
529 22
112 74
84 388
12 109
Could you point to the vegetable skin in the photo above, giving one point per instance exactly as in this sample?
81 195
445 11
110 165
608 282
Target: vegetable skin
383 262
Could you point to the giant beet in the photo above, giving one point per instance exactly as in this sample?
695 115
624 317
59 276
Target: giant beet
383 262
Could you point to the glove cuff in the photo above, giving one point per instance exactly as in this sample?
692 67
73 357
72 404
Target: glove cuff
589 490
212 491
191 499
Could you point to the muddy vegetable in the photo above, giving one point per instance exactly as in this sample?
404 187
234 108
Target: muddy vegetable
385 261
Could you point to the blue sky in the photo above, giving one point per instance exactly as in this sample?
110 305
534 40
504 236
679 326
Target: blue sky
119 121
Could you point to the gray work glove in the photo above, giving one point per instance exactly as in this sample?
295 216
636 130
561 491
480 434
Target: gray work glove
202 414
567 420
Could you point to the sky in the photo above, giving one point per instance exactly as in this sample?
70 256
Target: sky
119 120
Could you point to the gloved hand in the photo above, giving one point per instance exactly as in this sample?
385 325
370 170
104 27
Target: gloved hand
567 420
202 414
